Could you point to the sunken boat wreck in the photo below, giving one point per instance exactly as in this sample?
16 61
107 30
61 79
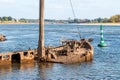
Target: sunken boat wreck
71 51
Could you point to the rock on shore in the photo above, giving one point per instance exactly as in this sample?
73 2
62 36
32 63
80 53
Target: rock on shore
2 37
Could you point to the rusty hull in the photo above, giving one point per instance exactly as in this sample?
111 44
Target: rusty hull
71 51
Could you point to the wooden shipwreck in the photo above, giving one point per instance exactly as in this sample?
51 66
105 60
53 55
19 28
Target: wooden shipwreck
70 51
17 57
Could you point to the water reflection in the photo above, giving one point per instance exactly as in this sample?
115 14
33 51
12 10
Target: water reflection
17 71
43 70
5 69
15 66
23 67
34 71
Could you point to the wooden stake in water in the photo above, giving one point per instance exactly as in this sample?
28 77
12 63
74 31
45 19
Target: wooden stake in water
102 42
41 50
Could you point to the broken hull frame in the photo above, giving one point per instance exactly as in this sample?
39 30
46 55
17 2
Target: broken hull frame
71 52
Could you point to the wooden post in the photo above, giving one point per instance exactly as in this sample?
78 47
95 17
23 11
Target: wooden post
41 50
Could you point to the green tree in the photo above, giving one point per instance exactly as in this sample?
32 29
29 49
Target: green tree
76 20
23 20
115 18
99 20
5 18
106 20
9 18
0 18
14 19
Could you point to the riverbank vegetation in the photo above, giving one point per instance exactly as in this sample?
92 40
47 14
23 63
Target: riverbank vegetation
9 19
112 19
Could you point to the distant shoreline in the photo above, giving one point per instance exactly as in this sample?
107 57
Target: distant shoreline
106 24
94 24
18 23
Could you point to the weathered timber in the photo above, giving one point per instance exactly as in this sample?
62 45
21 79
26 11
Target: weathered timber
41 49
2 37
71 51
17 57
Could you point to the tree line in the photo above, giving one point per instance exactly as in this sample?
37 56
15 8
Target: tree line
112 19
9 18
5 18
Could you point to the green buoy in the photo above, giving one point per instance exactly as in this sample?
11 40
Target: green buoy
102 42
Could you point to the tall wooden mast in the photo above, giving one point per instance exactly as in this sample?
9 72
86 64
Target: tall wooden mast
41 50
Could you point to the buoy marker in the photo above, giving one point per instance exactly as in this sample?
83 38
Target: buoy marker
102 42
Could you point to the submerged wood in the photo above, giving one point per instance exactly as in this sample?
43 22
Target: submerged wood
2 37
17 57
71 51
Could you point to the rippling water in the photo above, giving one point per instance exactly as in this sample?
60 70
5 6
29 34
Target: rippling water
105 66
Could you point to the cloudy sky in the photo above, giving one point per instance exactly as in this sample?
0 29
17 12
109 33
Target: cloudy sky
60 9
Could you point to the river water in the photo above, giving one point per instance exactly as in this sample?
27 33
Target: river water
105 66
